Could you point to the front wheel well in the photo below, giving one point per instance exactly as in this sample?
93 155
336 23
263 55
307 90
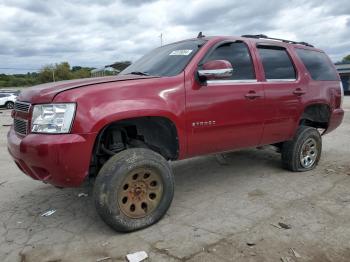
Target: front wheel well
156 133
316 115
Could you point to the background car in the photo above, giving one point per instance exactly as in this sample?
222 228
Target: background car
7 99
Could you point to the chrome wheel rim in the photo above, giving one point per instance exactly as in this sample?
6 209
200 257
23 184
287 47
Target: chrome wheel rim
308 153
140 193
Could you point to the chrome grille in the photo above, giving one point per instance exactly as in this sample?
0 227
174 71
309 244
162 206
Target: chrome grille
22 106
20 126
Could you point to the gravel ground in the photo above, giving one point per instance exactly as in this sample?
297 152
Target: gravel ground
221 212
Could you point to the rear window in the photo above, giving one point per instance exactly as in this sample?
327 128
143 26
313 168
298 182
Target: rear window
276 62
318 65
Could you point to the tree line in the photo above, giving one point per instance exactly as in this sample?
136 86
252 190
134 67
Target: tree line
48 73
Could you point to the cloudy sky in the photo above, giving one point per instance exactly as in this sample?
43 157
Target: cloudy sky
95 33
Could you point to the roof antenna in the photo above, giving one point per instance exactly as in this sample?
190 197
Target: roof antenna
200 35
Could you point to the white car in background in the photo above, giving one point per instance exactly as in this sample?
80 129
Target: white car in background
7 100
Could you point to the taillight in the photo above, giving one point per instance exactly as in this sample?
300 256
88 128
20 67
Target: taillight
341 95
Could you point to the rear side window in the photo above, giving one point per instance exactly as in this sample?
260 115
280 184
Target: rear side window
318 65
238 55
277 63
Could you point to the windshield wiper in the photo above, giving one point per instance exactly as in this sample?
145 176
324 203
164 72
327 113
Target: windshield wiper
139 73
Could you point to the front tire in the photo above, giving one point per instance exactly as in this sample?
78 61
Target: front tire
134 189
10 105
304 151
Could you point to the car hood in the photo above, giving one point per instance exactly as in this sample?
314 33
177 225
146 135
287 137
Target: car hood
45 93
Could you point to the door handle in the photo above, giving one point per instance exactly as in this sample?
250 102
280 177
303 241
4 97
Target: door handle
299 92
252 95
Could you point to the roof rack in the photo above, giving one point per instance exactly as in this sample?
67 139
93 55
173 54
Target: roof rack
200 35
277 39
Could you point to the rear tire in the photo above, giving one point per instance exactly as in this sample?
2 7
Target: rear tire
304 151
10 105
134 189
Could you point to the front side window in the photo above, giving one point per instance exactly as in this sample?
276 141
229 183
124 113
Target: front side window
277 64
168 60
318 65
238 55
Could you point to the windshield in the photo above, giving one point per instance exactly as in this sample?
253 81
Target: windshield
168 60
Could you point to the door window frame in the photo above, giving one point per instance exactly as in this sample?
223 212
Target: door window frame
289 80
205 58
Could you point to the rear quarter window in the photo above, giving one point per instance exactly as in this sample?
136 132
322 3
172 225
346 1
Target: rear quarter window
318 65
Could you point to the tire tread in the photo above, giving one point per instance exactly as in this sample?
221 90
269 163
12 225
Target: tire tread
290 152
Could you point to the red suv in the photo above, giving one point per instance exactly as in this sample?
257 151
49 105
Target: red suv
190 98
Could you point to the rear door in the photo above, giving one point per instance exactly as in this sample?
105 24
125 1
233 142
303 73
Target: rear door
225 114
284 89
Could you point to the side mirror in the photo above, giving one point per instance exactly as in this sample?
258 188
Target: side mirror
216 69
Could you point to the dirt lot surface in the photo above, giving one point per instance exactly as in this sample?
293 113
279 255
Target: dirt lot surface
220 212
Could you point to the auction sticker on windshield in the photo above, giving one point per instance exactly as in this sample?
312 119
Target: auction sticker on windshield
181 52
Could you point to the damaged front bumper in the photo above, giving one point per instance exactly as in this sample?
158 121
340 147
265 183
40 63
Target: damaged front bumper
61 160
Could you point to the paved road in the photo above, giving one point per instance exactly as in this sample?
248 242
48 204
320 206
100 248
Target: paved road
217 210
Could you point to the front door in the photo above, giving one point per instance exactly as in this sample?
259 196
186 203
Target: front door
225 114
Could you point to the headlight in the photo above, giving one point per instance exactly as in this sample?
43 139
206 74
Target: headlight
52 118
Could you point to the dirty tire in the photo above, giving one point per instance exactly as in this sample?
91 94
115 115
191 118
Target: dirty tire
293 150
110 183
10 105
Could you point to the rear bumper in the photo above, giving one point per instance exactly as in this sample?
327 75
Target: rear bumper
335 119
61 160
